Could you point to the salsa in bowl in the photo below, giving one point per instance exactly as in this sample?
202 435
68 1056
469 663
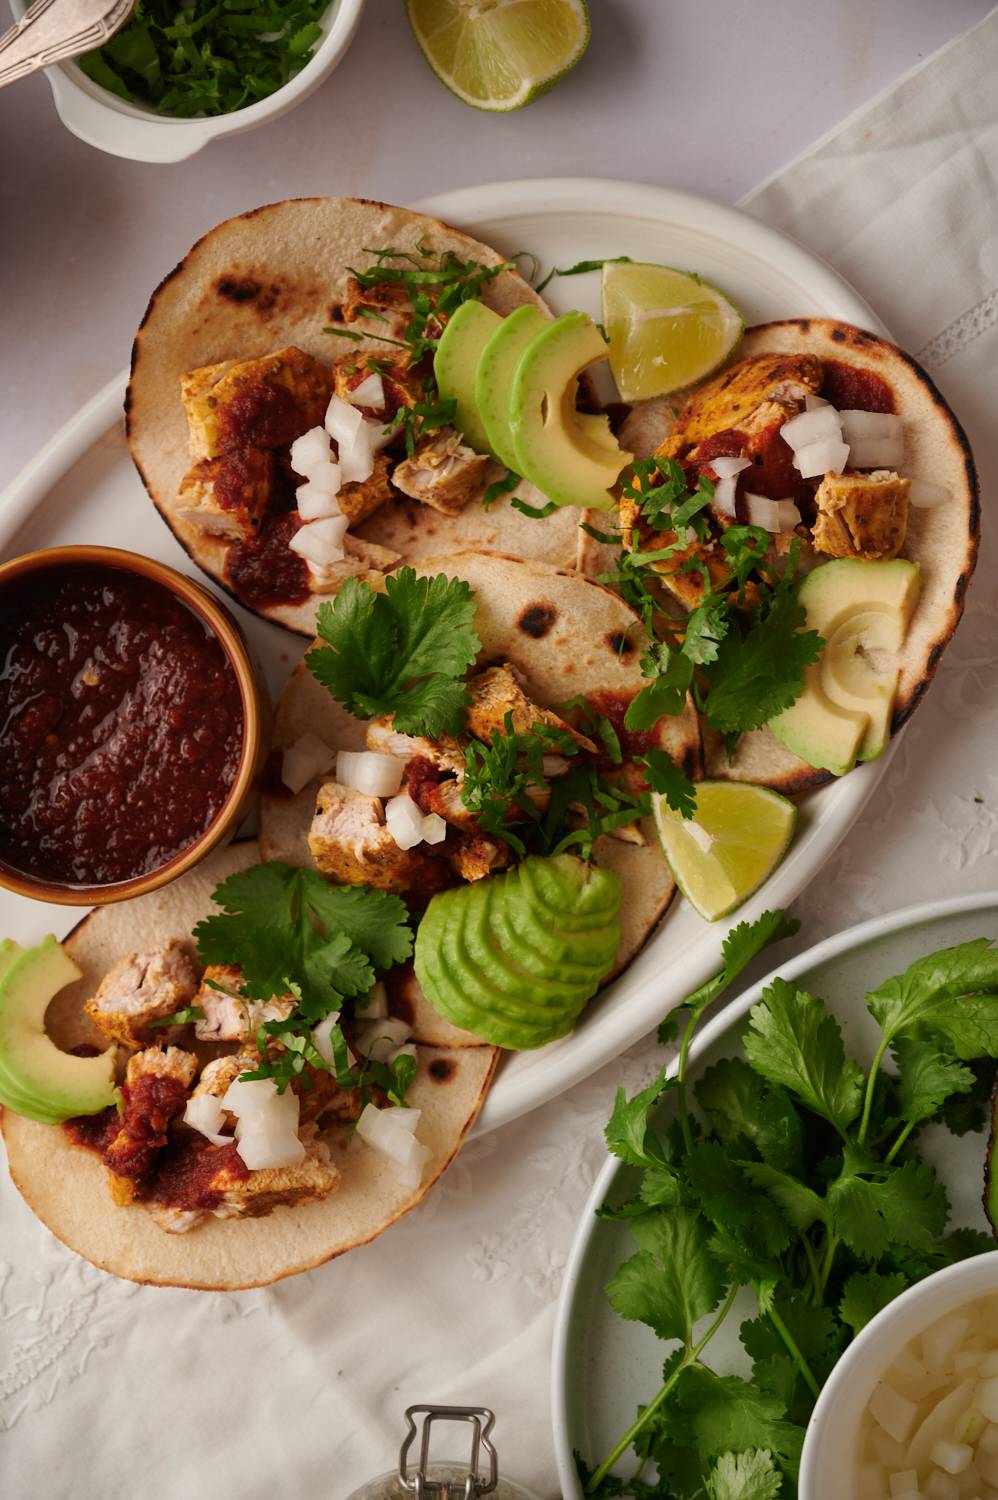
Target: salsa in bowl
130 724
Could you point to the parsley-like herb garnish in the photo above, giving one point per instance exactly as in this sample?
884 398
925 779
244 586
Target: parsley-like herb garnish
797 1180
581 266
403 652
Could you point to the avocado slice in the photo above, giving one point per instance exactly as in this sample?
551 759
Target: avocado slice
11 1096
863 609
494 377
455 364
570 456
36 1078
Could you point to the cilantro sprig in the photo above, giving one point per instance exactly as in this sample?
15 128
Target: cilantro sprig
404 651
798 1178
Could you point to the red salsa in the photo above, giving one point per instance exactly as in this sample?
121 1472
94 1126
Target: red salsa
121 725
853 388
262 568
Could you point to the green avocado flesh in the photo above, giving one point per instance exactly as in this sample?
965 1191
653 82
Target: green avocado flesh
863 610
456 362
494 377
514 958
572 457
36 1078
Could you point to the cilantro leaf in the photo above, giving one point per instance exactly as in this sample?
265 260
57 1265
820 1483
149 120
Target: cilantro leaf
403 652
742 944
921 1000
627 1132
866 1293
671 674
674 1280
743 1108
886 1206
666 778
794 1041
963 1113
754 677
730 1200
724 1414
927 1079
749 1475
705 629
801 1204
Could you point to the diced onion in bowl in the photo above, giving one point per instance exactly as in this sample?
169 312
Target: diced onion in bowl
378 1039
771 515
875 438
370 392
322 1036
370 772
316 498
818 425
306 759
205 1114
727 468
924 495
321 541
828 456
404 821
724 495
354 440
434 829
311 453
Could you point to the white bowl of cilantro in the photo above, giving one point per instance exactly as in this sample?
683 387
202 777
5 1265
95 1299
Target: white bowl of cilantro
178 76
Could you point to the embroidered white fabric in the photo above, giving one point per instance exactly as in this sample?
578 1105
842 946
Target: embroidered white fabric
110 1390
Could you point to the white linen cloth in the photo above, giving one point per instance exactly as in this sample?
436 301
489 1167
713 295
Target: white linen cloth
114 1391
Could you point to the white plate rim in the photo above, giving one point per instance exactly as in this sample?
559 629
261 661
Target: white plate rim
735 1011
615 1029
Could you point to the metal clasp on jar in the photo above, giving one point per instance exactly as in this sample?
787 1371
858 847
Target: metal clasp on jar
481 1421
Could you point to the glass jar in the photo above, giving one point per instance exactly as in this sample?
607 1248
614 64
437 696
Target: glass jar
425 1479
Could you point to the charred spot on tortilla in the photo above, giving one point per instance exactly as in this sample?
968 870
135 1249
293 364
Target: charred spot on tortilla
537 619
442 1068
839 335
619 643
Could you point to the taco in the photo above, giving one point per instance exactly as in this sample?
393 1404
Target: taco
145 1195
268 317
557 655
912 497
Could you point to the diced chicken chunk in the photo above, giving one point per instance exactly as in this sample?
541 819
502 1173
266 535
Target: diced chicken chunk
474 856
387 740
444 472
228 1015
862 515
748 397
387 300
401 383
361 499
496 693
142 989
350 843
227 496
217 1075
361 557
265 402
153 1095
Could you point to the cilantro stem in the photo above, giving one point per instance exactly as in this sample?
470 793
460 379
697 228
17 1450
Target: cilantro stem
831 1245
906 1132
871 1084
690 1358
812 1261
792 1348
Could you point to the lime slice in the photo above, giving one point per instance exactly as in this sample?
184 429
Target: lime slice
736 838
500 54
666 328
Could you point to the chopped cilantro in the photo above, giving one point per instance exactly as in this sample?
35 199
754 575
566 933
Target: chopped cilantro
666 778
180 1017
581 266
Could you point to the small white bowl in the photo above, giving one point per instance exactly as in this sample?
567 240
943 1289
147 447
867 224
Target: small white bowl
102 119
830 1454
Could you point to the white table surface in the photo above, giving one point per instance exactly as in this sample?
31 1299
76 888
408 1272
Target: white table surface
708 95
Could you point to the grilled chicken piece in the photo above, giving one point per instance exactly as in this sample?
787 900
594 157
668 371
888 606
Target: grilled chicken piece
444 472
403 385
497 692
474 856
154 1093
141 989
362 557
388 299
350 843
437 774
230 1017
748 397
265 402
361 499
227 496
862 515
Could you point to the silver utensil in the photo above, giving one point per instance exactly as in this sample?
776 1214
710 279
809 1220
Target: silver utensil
52 30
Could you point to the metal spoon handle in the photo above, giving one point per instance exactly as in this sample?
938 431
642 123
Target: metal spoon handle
52 30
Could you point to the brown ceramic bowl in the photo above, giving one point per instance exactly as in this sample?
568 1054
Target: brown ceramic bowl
256 722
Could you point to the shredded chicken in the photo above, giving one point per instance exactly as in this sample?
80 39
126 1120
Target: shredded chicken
444 472
388 299
141 989
350 843
862 515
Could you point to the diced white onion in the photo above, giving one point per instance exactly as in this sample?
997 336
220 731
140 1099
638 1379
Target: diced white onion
941 1341
819 425
370 772
724 495
924 495
270 1146
875 438
434 829
377 1039
354 440
311 452
322 1036
204 1113
389 1133
953 1457
370 392
893 1412
307 758
902 1481
727 468
321 541
376 1005
266 1123
772 515
828 456
244 1095
811 403
316 498
404 821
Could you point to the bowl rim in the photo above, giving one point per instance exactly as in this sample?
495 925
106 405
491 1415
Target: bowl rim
136 132
221 623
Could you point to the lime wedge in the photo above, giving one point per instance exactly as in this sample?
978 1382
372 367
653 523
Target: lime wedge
736 838
666 328
500 54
